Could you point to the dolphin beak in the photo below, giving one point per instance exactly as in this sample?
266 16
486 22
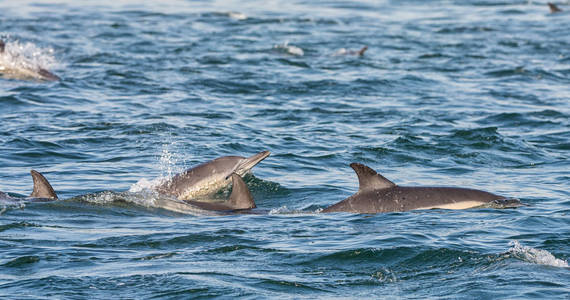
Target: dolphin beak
247 163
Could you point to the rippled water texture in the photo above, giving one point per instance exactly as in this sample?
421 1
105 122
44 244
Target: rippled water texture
455 93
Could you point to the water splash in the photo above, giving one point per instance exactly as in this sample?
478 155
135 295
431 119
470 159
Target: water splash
536 256
27 56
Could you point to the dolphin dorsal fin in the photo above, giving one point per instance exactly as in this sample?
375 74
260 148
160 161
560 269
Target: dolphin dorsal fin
241 197
42 188
368 179
2 46
553 8
362 50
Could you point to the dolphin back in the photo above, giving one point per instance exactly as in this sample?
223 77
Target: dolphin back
42 188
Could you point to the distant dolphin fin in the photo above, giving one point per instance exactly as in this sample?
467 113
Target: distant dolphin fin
361 51
553 8
42 188
241 197
368 179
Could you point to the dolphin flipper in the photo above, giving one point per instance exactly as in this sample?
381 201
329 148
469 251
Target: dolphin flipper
368 179
42 188
241 197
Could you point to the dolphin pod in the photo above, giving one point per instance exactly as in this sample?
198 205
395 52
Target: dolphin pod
9 70
376 194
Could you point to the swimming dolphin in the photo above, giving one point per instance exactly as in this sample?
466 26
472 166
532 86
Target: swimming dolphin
240 200
352 52
42 189
553 8
23 72
209 177
376 194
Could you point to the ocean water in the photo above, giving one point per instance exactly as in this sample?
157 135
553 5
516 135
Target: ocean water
454 93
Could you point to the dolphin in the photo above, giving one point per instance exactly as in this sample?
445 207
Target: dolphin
376 194
43 191
22 72
553 8
240 200
209 177
360 52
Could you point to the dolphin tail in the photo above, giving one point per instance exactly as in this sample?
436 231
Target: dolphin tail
361 51
250 162
553 8
42 188
241 197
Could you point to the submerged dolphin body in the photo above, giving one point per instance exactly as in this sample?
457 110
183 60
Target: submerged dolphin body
13 71
240 200
43 191
377 194
209 177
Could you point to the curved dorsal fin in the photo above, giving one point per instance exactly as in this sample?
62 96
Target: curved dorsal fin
241 197
42 188
368 179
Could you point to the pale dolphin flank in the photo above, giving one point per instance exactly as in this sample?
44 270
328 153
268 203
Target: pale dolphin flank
377 194
11 70
240 200
42 189
209 177
553 8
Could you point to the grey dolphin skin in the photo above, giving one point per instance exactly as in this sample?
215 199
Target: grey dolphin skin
240 200
25 72
376 194
553 8
209 177
42 189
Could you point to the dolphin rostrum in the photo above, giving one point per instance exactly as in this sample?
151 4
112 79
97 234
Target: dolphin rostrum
240 200
42 189
376 194
209 177
15 71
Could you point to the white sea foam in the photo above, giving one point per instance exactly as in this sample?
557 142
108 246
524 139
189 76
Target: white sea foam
536 256
27 55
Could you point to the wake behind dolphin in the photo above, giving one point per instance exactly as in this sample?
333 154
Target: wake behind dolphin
376 194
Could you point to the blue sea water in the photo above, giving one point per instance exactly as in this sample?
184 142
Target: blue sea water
456 93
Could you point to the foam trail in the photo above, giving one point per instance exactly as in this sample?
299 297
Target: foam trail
536 256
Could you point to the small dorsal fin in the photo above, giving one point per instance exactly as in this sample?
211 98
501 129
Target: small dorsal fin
42 188
368 179
241 197
361 51
553 8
